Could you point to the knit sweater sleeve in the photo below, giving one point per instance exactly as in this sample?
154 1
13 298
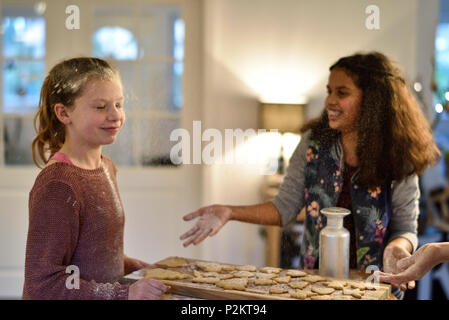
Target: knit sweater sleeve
291 197
404 218
53 231
128 262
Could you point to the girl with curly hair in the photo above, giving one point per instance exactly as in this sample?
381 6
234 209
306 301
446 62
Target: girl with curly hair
368 147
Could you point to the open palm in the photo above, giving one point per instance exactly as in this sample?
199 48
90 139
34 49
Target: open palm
212 219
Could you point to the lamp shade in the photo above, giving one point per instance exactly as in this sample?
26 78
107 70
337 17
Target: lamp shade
283 117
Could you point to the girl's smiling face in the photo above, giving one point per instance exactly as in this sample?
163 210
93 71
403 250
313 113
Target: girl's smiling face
97 115
343 101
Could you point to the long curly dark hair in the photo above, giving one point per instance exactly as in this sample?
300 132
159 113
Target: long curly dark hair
394 138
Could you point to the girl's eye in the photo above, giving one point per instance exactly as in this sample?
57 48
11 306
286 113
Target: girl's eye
118 105
101 107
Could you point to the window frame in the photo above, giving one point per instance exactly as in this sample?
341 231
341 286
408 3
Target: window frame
85 40
138 114
26 115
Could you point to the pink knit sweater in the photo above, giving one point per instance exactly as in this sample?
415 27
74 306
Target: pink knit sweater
76 219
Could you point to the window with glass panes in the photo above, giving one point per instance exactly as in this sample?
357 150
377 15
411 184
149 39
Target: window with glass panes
23 70
146 43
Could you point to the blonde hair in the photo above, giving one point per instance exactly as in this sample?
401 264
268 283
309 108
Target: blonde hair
63 84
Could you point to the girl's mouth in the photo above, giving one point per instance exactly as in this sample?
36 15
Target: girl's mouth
112 129
333 115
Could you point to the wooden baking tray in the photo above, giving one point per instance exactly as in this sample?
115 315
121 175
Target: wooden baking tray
209 291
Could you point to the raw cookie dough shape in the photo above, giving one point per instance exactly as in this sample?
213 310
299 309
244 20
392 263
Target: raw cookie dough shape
270 270
247 267
278 289
263 275
163 274
209 266
224 276
358 285
295 273
323 290
197 273
302 294
263 282
243 274
233 284
228 267
298 284
209 280
313 279
173 262
356 293
338 285
298 294
285 279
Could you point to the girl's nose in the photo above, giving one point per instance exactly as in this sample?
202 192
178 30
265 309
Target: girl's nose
115 113
331 100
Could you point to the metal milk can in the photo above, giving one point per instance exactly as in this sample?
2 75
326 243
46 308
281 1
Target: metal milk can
334 244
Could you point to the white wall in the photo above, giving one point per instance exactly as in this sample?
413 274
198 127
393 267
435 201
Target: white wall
258 47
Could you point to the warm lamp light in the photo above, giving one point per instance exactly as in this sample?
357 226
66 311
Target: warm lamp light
281 116
287 119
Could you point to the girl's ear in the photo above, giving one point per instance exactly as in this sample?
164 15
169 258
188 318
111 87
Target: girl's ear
62 114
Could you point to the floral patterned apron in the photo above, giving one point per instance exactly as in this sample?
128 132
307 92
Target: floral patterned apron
371 208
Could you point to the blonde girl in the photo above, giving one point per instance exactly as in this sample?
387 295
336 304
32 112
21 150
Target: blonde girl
75 239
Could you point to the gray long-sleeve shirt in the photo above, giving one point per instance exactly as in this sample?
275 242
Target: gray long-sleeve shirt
405 197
